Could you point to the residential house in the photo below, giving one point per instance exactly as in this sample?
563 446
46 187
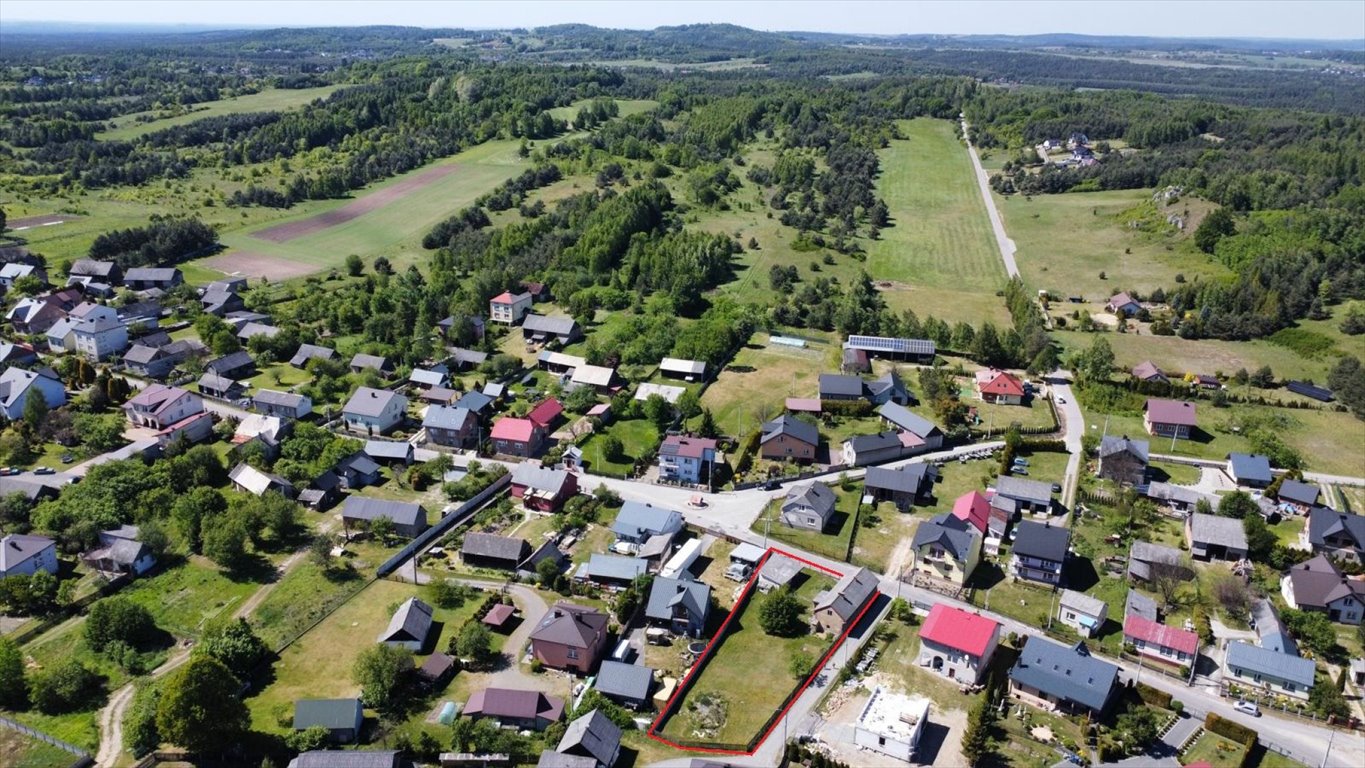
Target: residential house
928 436
322 493
218 299
1039 552
789 438
509 308
391 452
913 350
24 555
682 459
626 684
159 406
855 361
570 637
835 386
409 520
1055 677
36 314
680 605
522 710
13 271
97 331
107 272
351 758
593 735
687 370
221 387
1210 537
861 450
357 471
1000 387
958 644
449 325
283 404
540 292
427 378
543 489
452 427
341 718
308 352
1158 641
1122 304
1249 470
438 396
513 436
255 482
888 389
1300 496
149 278
1147 371
611 571
976 509
1178 498
638 522
18 385
1319 585
837 608
158 362
17 354
946 548
1138 604
1341 535
892 724
237 366
808 506
1148 562
1274 672
1169 418
1081 612
267 431
904 487
409 627
363 362
59 337
121 552
466 359
1123 461
541 328
374 411
489 550
1017 495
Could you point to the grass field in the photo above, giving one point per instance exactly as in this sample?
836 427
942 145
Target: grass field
128 127
1214 750
731 670
638 437
832 542
754 387
184 599
298 600
22 752
1172 353
1065 241
626 107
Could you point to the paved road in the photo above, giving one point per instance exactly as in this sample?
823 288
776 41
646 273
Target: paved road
983 181
1073 430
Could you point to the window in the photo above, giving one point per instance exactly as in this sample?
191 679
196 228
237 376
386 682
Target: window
573 653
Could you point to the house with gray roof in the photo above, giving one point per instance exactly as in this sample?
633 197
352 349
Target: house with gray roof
464 359
221 387
357 471
638 521
626 684
1250 470
147 278
612 570
808 506
837 386
237 366
1017 494
390 452
489 550
904 487
1081 612
542 328
1210 537
374 411
284 404
350 758
593 736
363 362
1039 552
552 759
777 571
787 438
888 389
341 717
681 605
1147 561
121 552
1299 495
1123 460
450 426
1055 677
862 450
902 418
946 548
1178 498
24 555
409 626
1252 666
1339 534
408 519
308 352
1319 585
841 604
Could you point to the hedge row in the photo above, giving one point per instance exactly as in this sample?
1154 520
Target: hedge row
1152 696
1230 730
846 407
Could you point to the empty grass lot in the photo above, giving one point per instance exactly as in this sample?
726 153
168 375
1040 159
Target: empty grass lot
184 599
129 127
832 542
625 108
1216 751
638 438
1177 355
755 385
22 752
751 698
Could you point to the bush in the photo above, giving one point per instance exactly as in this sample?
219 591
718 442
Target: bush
67 687
846 407
780 614
1152 696
1228 729
117 620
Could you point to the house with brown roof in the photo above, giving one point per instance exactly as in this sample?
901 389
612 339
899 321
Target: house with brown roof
1169 418
840 605
1000 387
1147 371
1123 304
1319 585
570 637
523 710
682 458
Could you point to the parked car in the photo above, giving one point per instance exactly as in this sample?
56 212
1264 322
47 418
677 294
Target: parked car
1056 487
44 471
67 458
772 485
1061 400
1018 470
1247 708
1018 462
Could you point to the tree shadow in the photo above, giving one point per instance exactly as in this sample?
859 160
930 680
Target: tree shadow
1079 574
254 569
987 575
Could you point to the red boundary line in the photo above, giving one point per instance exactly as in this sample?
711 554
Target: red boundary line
720 633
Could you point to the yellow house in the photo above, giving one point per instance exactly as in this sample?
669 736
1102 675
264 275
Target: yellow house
946 548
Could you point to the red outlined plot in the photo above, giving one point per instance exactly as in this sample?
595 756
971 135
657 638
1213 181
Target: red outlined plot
740 604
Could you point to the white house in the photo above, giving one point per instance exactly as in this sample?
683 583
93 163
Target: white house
1081 612
374 411
891 724
97 331
159 406
958 644
23 555
17 384
509 308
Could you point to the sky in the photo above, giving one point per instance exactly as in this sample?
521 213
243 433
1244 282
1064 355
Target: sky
1307 19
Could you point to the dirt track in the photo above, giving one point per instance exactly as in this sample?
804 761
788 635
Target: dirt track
30 222
247 264
283 233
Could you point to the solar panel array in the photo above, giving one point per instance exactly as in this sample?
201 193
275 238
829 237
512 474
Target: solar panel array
893 346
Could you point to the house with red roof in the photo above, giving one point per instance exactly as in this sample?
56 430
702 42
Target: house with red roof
958 644
974 508
1159 641
546 413
524 437
1169 418
999 387
509 308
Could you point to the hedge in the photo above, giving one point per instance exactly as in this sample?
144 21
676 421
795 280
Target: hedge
1229 729
1153 696
846 407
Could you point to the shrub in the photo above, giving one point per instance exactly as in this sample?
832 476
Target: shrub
1152 696
67 687
1229 729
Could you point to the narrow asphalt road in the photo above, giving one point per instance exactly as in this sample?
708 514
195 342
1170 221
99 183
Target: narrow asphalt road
983 181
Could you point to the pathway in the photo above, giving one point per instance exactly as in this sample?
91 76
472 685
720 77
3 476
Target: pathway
983 181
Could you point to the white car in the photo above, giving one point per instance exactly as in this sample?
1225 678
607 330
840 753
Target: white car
1248 708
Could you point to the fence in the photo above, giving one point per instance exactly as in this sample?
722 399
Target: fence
430 535
807 475
161 756
83 758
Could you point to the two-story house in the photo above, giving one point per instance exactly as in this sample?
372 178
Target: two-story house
570 637
451 426
789 438
957 644
1055 677
680 605
1039 552
686 460
541 488
18 385
1319 585
1339 534
25 555
509 308
97 331
374 411
1000 387
159 406
1123 461
808 506
947 548
1169 418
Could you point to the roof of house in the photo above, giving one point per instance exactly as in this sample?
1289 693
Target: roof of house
17 548
1250 466
906 419
400 512
951 533
686 446
849 595
779 569
474 401
1299 492
666 594
539 478
216 383
397 450
888 382
1040 540
495 546
877 442
1111 445
907 479
521 705
512 429
593 375
613 567
1083 603
1283 666
358 462
638 518
307 352
15 381
1138 604
230 362
1324 522
1032 491
151 274
1148 631
463 356
92 267
789 425
973 508
282 399
349 758
1002 383
1176 412
571 625
545 412
1211 529
447 417
551 759
676 365
1147 371
411 622
1318 583
427 377
630 681
369 361
961 630
557 326
255 481
1121 299
839 385
1067 672
812 494
507 297
368 401
1142 554
332 714
157 397
594 732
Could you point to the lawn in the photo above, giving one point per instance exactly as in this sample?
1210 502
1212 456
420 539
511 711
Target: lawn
304 594
319 664
625 108
1065 241
638 439
129 127
751 698
1214 750
874 547
280 376
1211 356
187 597
22 752
754 387
1037 413
832 543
